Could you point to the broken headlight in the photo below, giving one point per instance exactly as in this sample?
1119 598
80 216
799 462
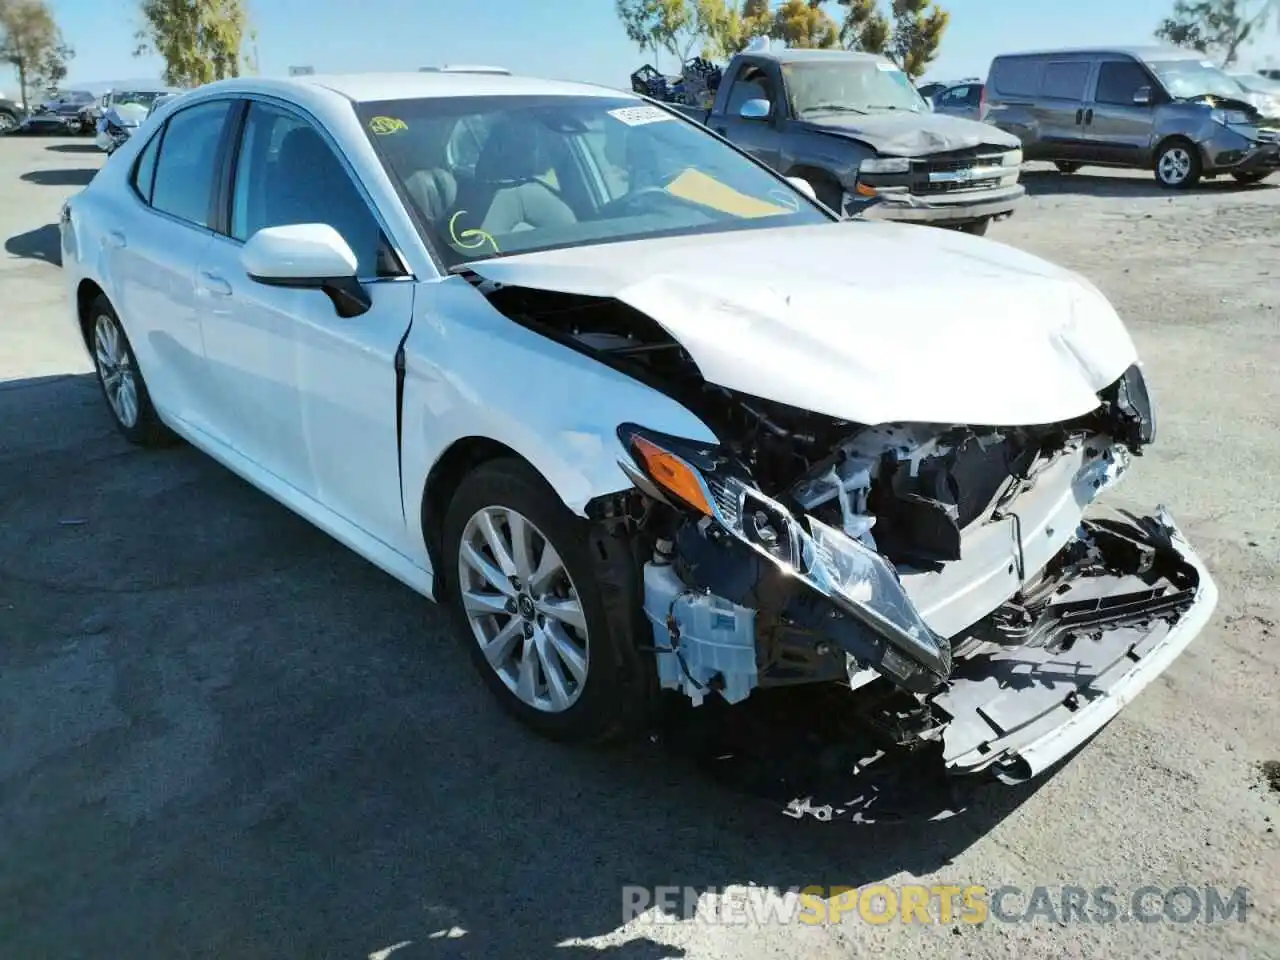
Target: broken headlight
858 580
1128 403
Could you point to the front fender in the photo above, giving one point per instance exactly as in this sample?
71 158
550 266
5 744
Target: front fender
471 372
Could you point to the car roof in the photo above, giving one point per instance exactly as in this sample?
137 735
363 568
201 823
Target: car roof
1137 52
366 87
810 55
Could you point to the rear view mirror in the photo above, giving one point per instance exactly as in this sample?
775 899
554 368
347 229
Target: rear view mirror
1142 96
755 110
307 256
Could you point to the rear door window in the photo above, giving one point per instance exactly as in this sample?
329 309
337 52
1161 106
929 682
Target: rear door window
1016 77
188 162
1065 79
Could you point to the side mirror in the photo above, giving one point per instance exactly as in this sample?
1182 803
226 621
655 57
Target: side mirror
757 109
307 256
804 186
1142 96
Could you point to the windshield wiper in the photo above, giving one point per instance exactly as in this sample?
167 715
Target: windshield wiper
886 106
833 108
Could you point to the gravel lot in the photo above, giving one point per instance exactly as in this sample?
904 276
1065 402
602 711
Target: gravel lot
221 734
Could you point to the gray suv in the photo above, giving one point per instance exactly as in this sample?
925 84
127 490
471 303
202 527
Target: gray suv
1161 109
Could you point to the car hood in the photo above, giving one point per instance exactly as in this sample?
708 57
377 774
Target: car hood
905 134
859 320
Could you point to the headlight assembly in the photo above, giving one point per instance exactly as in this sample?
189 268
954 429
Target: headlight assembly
859 581
1231 118
885 165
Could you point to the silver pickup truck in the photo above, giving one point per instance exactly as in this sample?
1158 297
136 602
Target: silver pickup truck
853 126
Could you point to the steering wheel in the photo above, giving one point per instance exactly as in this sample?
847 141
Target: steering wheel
626 202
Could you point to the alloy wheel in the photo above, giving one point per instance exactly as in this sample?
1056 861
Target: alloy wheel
7 123
115 367
1175 166
523 609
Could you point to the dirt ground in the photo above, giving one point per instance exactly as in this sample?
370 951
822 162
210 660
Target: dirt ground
223 735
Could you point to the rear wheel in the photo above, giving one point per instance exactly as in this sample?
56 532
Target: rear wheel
1067 166
121 379
551 643
1178 166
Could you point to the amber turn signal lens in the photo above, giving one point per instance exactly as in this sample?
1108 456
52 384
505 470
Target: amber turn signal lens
672 474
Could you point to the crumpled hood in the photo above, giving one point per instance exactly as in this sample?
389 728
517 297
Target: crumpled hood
127 114
904 134
863 321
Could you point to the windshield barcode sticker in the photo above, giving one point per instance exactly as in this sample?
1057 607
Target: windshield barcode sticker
886 67
638 116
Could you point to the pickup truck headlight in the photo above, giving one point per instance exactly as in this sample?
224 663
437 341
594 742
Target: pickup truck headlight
1013 158
885 165
702 479
1231 118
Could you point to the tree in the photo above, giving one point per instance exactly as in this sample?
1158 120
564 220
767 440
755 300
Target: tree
911 39
200 40
1219 27
803 23
31 41
678 26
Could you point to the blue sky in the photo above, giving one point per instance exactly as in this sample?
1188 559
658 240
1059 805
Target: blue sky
577 39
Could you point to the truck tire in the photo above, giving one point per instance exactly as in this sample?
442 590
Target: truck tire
9 122
977 228
1067 166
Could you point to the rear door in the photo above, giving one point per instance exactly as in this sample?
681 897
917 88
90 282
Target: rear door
1120 130
1060 109
153 254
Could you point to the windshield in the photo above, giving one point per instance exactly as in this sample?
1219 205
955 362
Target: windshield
1256 84
850 86
141 98
490 176
1185 79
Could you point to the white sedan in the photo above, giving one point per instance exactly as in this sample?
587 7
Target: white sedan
640 410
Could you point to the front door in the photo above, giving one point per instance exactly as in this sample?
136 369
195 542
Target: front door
1122 131
307 394
758 136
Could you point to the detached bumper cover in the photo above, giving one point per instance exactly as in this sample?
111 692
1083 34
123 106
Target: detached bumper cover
1019 711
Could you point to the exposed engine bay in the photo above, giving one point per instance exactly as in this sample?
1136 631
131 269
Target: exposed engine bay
932 567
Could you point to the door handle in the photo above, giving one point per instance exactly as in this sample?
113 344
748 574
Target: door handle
1088 117
116 240
1080 116
215 284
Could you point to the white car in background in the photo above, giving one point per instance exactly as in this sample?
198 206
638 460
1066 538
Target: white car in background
639 410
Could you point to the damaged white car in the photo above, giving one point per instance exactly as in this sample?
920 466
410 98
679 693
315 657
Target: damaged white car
639 410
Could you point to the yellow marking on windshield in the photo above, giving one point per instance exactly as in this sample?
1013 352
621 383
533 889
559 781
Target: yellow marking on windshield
698 187
385 125
470 239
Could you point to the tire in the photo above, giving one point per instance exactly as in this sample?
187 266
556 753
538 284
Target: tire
610 693
1250 178
121 380
1067 166
977 228
830 193
1177 165
9 122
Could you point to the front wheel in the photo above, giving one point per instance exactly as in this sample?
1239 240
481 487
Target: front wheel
978 227
550 639
1178 166
1067 166
8 122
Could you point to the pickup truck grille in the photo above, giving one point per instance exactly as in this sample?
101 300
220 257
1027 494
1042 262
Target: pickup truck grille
957 173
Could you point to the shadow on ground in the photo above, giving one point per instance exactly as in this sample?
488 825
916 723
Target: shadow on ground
42 243
74 148
227 735
73 177
1048 183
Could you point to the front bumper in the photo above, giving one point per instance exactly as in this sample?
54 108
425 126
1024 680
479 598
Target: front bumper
1234 152
1019 711
946 209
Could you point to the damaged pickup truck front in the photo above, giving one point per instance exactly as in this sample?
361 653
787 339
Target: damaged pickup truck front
951 571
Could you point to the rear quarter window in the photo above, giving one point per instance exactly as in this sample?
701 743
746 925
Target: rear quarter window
1016 76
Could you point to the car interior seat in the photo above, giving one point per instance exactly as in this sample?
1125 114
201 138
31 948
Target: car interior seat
507 195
